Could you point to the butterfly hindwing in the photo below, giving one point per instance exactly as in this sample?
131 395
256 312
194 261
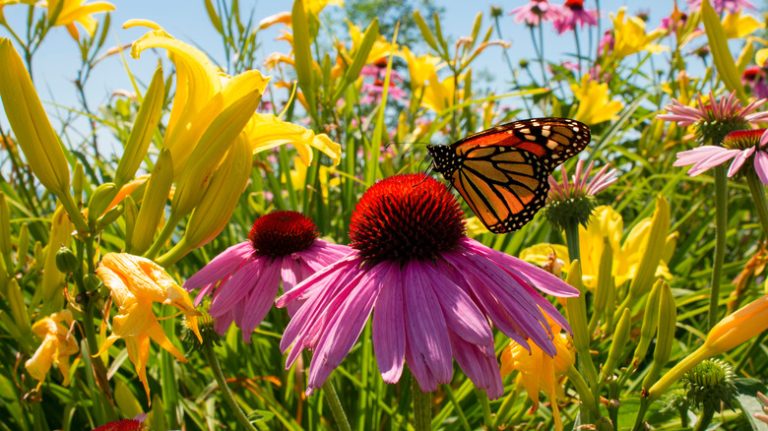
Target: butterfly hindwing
502 172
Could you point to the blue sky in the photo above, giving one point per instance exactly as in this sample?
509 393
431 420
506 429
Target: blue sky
56 65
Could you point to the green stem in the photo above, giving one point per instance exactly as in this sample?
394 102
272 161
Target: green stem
582 388
705 419
336 409
485 404
422 408
572 240
757 189
166 233
68 202
644 403
225 392
721 220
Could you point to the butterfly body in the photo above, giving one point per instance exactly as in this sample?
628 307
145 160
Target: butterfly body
502 172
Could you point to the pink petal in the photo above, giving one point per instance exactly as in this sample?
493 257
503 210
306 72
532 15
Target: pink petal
221 266
480 367
712 161
430 358
236 288
261 298
344 327
739 160
689 157
460 312
537 277
389 327
761 166
304 289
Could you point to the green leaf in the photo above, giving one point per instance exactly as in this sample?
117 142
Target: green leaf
369 38
747 401
718 44
302 53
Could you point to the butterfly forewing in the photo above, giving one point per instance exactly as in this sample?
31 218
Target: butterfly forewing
502 172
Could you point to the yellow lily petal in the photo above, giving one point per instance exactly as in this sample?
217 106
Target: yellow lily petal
595 104
57 346
738 25
266 131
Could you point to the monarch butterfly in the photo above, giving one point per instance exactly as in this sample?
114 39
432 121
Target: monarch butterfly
502 172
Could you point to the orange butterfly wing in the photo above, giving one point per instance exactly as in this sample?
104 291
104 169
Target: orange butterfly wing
502 172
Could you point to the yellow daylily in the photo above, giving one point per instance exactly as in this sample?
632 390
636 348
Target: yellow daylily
538 372
734 330
629 35
316 6
382 48
78 11
58 345
266 131
439 95
135 283
605 224
420 68
738 25
761 56
595 104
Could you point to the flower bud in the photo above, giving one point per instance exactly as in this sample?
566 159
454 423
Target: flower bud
143 129
654 250
66 261
205 327
665 335
153 204
618 345
53 279
22 256
5 232
17 306
650 322
100 200
33 130
710 384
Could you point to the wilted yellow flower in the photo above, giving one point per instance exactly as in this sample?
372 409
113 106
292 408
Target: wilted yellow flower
77 11
420 68
539 372
629 35
278 18
135 283
595 104
734 330
738 25
605 224
57 346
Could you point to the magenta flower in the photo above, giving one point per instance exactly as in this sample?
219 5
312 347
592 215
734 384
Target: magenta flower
755 78
572 14
433 293
537 11
738 147
721 6
244 279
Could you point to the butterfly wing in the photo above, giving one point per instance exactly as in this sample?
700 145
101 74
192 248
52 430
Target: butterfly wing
502 172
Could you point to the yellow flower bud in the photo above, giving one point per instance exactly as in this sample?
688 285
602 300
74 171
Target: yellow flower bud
17 306
5 232
143 129
100 199
734 330
30 124
153 204
654 250
53 279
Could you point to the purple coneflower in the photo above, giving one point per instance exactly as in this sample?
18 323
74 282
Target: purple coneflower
244 279
433 293
755 78
715 118
721 6
537 11
572 200
572 14
738 147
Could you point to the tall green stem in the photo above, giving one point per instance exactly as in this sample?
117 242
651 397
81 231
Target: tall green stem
757 189
721 222
336 409
704 419
422 408
225 392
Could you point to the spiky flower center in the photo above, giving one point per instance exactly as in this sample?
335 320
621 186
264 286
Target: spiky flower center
575 5
406 217
709 383
713 130
743 139
281 233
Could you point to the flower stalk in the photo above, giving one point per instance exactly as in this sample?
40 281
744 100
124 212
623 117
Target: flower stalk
721 225
240 417
422 408
758 196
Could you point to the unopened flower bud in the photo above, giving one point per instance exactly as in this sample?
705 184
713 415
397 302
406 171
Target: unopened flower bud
66 261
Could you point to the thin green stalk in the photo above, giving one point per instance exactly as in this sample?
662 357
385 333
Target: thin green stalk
757 189
705 419
225 392
485 404
578 49
336 409
721 221
572 240
582 388
422 408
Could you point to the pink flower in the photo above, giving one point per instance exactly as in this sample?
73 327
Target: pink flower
537 11
433 293
574 13
605 45
714 110
244 279
580 185
755 78
721 6
738 147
